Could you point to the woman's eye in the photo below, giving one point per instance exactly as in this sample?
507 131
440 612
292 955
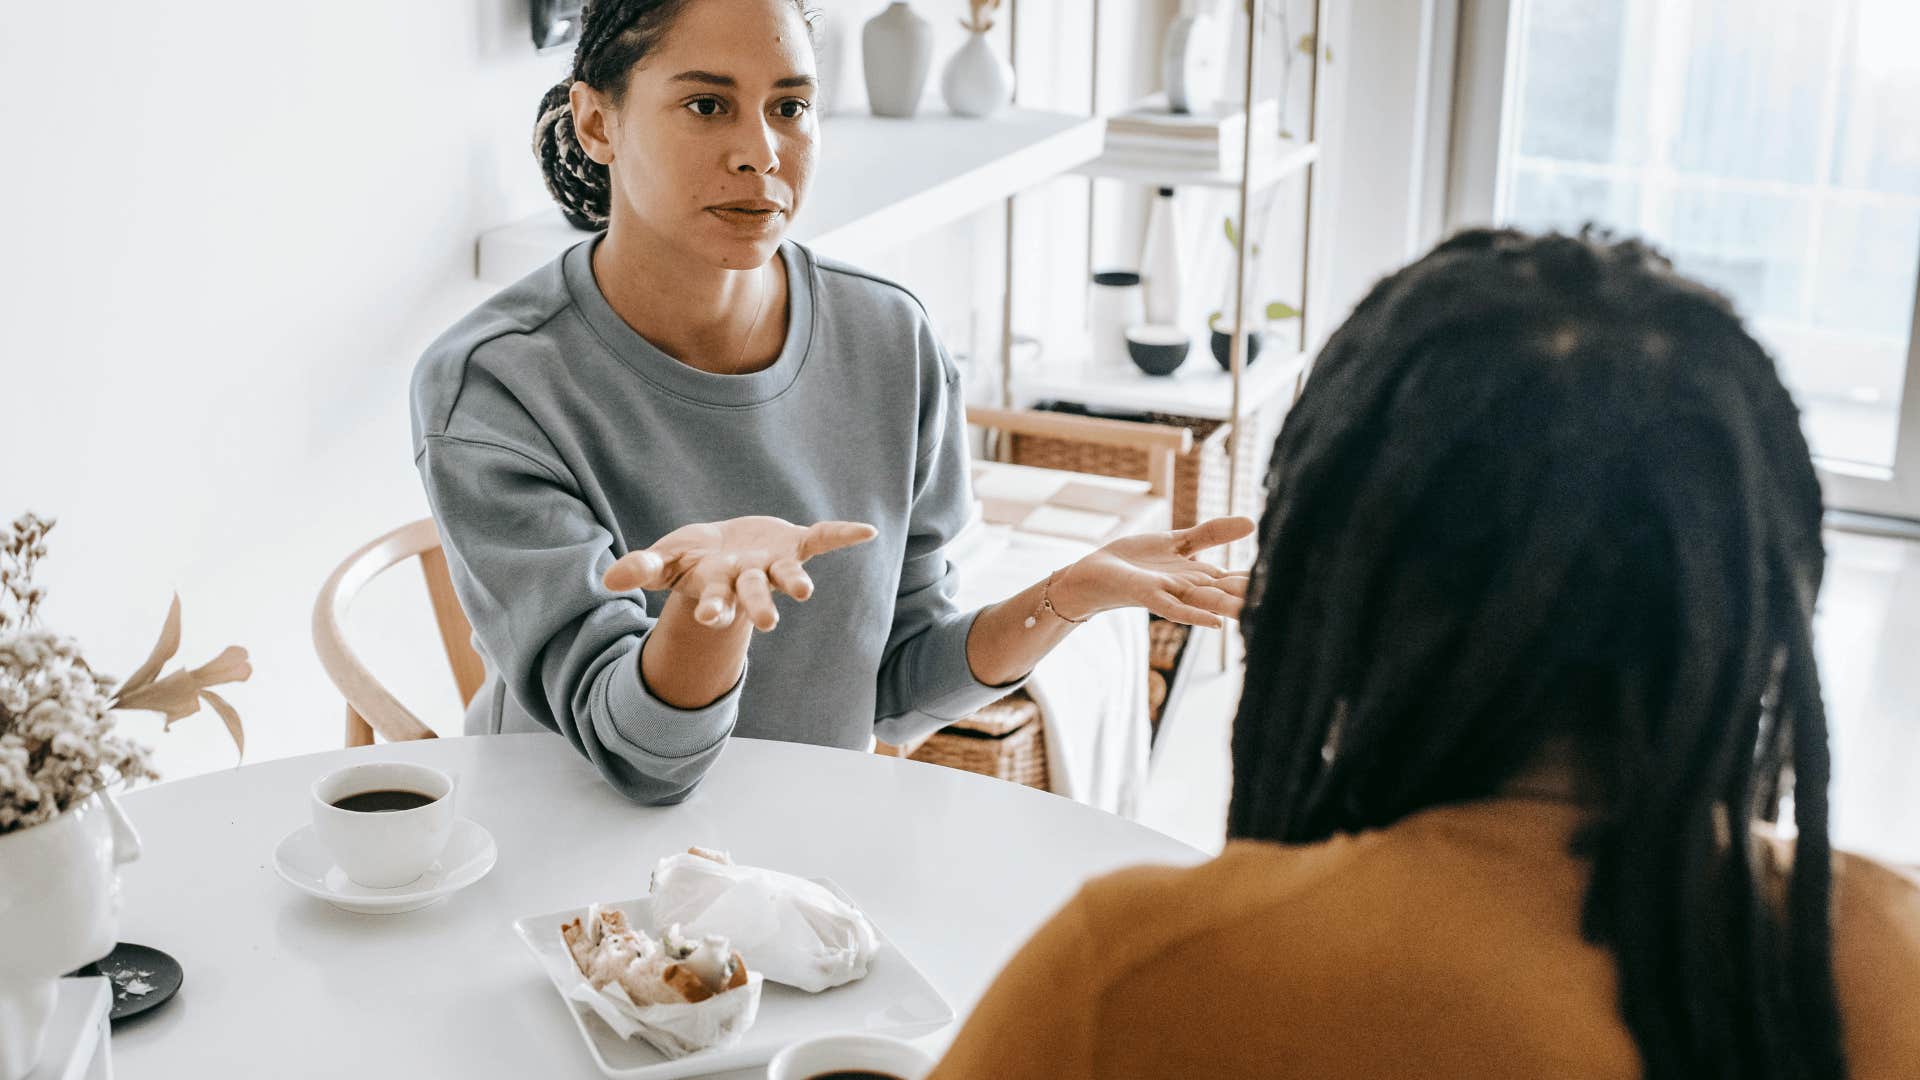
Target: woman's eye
705 106
793 108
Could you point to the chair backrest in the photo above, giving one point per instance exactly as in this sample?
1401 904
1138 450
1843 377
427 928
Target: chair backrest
371 708
1162 443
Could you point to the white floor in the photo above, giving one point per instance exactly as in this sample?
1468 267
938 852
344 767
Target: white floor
1868 637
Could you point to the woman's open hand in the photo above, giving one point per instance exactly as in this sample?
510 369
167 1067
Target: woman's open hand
729 566
1158 571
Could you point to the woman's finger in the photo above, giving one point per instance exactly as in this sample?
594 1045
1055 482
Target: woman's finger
1232 584
790 578
644 569
834 535
1211 534
716 606
756 599
1209 598
1167 606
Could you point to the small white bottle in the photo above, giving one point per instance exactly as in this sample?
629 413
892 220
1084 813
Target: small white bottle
1163 279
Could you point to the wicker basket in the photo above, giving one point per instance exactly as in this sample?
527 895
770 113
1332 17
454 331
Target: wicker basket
1006 739
1199 475
1165 640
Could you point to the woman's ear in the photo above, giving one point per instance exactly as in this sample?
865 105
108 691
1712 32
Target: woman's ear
592 122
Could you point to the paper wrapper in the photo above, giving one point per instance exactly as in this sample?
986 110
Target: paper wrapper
791 930
675 1030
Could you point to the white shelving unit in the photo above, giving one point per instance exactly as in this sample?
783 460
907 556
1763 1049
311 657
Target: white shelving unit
1198 389
882 181
1271 164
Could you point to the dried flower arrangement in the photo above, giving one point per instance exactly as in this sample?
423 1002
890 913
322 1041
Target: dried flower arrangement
979 18
58 745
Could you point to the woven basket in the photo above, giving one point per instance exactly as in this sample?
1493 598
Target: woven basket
1199 475
1006 739
1165 640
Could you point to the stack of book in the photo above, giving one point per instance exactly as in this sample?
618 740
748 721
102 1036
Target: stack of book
1151 135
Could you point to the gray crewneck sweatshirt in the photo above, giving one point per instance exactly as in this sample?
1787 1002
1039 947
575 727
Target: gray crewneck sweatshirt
553 439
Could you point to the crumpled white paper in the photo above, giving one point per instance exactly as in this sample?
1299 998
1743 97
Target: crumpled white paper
791 930
678 1029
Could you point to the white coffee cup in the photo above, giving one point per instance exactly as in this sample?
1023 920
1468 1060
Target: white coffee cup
843 1053
385 849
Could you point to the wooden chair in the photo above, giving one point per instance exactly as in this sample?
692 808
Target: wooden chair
1163 443
371 708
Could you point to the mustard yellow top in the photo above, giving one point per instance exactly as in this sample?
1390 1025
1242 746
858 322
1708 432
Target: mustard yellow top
1446 945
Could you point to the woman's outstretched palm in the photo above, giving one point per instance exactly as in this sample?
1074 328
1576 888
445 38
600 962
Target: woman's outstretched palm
1158 571
729 565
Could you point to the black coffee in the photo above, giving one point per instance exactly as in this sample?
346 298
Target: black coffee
383 802
852 1074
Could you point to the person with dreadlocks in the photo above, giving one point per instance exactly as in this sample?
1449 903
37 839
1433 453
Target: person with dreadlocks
646 439
1528 667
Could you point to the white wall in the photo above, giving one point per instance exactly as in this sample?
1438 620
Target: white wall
1393 158
229 231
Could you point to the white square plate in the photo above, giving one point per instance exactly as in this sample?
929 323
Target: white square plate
894 999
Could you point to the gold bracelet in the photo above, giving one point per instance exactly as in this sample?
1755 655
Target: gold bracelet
1046 605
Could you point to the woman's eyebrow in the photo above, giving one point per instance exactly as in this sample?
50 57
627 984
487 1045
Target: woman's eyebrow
708 78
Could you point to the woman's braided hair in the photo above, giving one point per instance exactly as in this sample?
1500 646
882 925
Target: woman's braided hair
614 36
1543 488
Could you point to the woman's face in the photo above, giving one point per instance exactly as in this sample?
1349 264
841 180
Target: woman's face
712 145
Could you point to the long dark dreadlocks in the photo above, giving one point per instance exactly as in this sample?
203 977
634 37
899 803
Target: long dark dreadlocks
614 36
1543 488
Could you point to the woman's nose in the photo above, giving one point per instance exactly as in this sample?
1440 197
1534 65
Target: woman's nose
757 150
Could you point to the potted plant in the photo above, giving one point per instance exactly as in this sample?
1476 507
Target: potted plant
1221 324
61 833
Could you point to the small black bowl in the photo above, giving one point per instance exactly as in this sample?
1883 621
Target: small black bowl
1222 344
143 978
1156 349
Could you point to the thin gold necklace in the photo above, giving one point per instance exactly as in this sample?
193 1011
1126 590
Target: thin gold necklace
760 308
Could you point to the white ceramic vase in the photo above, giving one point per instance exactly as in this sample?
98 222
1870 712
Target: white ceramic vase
896 48
834 50
59 910
977 82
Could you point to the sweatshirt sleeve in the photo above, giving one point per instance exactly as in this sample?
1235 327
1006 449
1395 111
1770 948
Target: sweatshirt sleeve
925 679
527 557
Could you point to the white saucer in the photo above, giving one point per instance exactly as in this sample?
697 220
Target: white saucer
304 864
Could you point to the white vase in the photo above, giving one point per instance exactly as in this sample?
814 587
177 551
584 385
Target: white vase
834 47
59 910
977 82
896 48
1162 277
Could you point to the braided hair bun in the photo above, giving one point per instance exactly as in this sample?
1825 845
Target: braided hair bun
581 185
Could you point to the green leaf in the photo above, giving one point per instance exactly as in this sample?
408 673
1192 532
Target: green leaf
1233 235
1278 310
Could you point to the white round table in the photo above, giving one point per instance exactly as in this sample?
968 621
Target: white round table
957 869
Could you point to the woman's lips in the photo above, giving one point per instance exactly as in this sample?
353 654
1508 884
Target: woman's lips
744 218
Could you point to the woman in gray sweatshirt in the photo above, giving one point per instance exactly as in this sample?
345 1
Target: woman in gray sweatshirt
633 449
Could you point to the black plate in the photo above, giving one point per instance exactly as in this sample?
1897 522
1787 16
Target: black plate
143 977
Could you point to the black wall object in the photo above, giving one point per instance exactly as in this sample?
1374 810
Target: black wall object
555 22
